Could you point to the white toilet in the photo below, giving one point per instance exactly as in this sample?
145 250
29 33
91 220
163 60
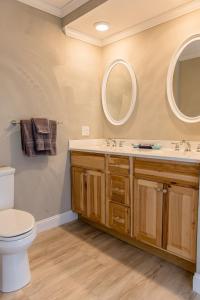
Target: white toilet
17 232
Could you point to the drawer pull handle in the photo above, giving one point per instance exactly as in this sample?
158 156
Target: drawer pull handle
119 220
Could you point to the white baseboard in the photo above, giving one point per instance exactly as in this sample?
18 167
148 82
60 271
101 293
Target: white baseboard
56 221
196 283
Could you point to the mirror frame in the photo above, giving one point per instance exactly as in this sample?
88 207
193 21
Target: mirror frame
170 77
134 92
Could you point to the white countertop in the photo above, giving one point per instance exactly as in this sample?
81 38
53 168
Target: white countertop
166 152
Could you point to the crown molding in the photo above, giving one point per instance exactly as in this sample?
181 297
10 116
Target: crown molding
163 18
71 6
83 9
58 12
44 7
82 37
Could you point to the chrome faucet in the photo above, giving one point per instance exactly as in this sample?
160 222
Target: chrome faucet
186 144
114 142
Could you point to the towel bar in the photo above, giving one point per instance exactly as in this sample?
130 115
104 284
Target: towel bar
14 122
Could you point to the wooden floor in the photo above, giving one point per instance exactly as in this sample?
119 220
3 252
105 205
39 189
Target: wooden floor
77 261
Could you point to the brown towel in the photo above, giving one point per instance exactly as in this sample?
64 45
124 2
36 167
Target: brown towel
33 141
42 125
45 143
42 141
52 137
27 139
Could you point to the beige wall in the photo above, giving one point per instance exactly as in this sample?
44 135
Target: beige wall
42 73
150 53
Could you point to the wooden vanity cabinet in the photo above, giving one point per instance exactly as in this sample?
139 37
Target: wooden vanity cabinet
119 189
119 218
88 185
181 225
118 194
79 190
149 203
165 210
167 220
96 196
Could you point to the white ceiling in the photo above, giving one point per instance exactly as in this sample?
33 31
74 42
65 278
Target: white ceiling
56 3
127 16
122 14
59 8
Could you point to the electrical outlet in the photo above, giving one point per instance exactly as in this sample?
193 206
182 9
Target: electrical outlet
85 130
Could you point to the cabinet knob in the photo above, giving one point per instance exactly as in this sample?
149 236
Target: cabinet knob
164 191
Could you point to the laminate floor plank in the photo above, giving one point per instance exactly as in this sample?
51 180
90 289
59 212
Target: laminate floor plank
78 262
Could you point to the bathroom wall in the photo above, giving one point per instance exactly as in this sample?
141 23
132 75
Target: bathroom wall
150 53
44 74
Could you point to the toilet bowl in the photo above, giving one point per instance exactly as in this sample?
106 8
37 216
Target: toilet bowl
17 232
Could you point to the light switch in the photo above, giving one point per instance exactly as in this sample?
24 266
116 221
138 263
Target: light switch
85 130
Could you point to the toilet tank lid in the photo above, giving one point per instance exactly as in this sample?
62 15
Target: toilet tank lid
6 171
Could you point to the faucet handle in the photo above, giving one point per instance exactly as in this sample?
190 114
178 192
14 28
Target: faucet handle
182 142
177 146
121 143
114 142
108 142
188 146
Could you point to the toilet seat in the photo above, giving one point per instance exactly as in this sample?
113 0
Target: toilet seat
15 224
18 237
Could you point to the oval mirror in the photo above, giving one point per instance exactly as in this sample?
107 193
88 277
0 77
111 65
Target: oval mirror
183 82
119 90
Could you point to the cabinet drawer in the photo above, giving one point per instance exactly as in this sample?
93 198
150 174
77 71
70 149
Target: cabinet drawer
119 189
185 174
119 218
118 165
88 160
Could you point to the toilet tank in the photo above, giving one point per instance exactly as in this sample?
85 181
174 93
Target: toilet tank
6 187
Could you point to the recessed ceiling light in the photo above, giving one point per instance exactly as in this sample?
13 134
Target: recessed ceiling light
102 26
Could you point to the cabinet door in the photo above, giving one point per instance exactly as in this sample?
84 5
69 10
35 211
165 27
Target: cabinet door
182 221
148 212
118 187
119 218
96 196
79 188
